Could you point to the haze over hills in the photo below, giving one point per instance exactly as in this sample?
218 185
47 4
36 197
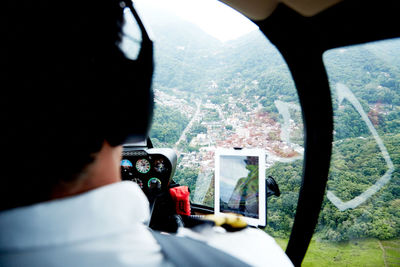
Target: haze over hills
188 58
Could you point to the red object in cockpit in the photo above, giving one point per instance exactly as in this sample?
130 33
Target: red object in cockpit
180 195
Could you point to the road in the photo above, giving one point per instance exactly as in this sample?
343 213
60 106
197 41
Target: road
183 135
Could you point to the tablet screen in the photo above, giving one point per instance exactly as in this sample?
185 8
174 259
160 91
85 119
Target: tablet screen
240 184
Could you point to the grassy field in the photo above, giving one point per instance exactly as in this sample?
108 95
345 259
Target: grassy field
366 252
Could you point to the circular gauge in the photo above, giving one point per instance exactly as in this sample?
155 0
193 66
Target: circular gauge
154 183
159 165
126 164
143 166
138 181
126 169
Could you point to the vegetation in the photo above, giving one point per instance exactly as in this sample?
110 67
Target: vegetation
356 165
357 252
372 72
186 176
211 115
196 129
168 125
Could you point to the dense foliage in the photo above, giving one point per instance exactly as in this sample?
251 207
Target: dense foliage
168 125
356 165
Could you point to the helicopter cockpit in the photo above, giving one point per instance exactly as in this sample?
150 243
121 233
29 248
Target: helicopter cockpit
275 126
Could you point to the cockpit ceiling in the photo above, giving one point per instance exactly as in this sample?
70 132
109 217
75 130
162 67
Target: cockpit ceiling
260 9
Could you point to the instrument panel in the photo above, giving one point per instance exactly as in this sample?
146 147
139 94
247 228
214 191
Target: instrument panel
151 169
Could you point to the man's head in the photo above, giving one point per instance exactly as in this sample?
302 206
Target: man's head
66 90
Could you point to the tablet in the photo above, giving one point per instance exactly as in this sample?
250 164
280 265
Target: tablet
240 184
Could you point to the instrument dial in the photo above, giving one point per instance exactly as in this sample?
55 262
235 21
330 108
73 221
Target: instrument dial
154 183
143 166
159 165
126 168
126 164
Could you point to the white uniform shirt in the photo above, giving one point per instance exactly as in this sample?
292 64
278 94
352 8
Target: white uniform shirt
105 227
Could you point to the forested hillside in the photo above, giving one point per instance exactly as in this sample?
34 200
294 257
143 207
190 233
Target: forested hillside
356 165
373 75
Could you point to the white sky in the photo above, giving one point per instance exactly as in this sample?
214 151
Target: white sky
214 17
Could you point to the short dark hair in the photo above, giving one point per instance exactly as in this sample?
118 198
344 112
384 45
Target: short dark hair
61 93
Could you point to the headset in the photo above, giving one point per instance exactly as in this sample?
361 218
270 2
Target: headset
132 93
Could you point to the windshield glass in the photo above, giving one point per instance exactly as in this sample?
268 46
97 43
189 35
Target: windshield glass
227 86
361 213
215 88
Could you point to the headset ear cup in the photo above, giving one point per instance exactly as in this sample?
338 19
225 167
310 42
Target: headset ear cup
131 102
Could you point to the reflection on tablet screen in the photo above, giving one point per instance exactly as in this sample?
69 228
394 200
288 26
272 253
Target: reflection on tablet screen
239 185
